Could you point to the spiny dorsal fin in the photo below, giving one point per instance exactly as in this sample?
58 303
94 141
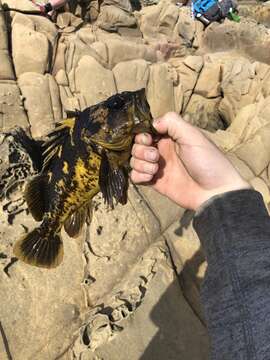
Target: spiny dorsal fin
113 183
56 140
35 196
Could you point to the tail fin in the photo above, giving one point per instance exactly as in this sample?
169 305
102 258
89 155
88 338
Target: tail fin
40 248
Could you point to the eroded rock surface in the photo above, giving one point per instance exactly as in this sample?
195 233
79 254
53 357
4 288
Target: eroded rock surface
117 295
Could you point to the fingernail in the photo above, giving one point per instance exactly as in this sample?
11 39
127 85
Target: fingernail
151 155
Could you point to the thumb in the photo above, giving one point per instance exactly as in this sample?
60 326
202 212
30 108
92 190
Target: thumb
174 126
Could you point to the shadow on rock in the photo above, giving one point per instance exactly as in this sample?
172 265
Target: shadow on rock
182 333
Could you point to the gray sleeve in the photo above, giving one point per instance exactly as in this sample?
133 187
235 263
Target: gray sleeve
234 230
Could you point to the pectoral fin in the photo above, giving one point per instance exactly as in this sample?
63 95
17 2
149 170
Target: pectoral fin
113 182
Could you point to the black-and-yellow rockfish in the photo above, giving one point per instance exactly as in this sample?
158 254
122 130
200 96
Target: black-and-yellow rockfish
85 154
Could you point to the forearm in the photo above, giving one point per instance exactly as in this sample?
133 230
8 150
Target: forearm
235 233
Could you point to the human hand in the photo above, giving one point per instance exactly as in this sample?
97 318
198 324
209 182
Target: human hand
185 166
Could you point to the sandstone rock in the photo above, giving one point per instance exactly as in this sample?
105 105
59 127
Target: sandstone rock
240 166
240 87
204 113
187 76
259 185
66 19
59 61
131 75
245 38
119 51
6 71
165 211
208 84
55 99
76 50
101 49
161 338
194 63
160 90
61 78
224 140
158 22
186 26
93 81
11 108
259 145
60 321
121 4
36 91
69 102
112 17
20 4
30 50
259 12
250 119
188 258
86 35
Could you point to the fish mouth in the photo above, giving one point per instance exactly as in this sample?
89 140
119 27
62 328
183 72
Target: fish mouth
142 117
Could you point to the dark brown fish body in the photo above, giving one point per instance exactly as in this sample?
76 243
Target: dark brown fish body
84 155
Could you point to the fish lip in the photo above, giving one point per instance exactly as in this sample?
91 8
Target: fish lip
141 128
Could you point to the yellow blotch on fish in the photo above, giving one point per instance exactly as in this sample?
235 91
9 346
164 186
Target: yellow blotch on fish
65 167
83 155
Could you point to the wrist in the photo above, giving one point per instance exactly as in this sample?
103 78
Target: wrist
208 195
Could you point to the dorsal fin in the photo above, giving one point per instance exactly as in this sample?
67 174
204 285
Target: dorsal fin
35 196
56 139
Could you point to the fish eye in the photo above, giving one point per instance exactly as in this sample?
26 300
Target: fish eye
116 103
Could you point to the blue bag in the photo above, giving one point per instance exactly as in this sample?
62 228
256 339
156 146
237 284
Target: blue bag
208 11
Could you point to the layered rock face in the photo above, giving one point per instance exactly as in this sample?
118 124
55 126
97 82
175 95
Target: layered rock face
129 286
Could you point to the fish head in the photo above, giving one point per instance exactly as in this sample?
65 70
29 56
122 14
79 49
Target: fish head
124 115
133 115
